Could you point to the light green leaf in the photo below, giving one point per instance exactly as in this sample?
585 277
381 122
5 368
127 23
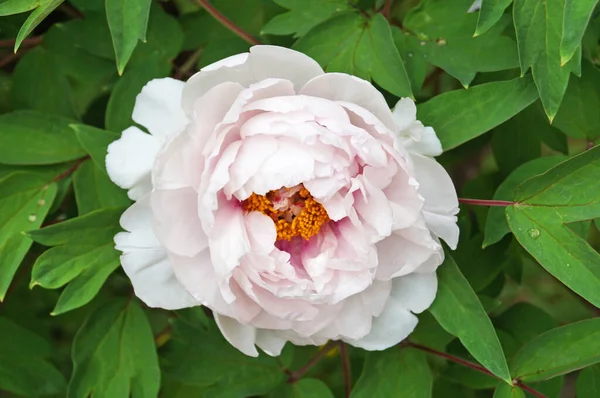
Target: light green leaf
496 225
95 141
461 115
578 344
35 18
95 191
84 257
458 310
415 61
9 7
491 11
451 45
127 20
385 373
24 368
544 205
366 49
302 16
198 355
588 382
25 199
578 116
114 354
538 25
507 391
32 138
576 18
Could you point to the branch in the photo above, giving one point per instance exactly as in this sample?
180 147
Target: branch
71 170
469 364
485 202
346 368
297 375
216 14
386 8
32 41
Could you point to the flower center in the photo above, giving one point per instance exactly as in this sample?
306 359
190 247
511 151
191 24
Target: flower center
294 211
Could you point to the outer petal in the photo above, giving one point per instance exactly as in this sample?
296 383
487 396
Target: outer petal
158 107
414 293
145 261
263 62
412 135
240 336
130 159
441 202
270 341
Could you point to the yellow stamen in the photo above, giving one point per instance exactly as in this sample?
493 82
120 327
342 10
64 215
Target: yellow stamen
299 215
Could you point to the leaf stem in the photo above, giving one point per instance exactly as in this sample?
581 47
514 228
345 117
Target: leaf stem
71 169
297 375
485 202
386 8
32 41
216 14
346 368
469 364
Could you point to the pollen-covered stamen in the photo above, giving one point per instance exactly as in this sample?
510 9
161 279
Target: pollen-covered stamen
293 210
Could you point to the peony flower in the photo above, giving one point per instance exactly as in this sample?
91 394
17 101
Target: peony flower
291 202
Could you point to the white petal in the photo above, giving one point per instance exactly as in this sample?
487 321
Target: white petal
404 113
351 89
416 292
129 161
240 336
263 62
158 107
146 263
441 202
270 341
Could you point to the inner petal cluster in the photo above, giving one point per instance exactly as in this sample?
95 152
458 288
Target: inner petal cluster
293 210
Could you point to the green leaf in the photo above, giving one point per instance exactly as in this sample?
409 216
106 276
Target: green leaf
366 49
25 199
576 18
39 84
35 18
588 382
461 115
387 372
458 310
9 7
525 321
544 205
491 11
415 62
578 116
538 25
127 20
452 47
496 225
84 257
94 190
24 368
32 138
577 346
199 355
304 388
302 16
114 354
507 391
95 141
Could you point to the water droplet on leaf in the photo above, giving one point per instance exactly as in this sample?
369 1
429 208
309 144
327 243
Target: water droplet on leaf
534 233
32 217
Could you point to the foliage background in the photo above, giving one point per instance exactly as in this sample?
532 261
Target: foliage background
518 301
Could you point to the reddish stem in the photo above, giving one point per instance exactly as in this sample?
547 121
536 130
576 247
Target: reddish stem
346 368
70 170
216 14
297 375
386 9
32 41
485 202
529 390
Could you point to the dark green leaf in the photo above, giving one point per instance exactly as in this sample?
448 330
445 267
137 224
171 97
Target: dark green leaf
578 344
458 310
302 16
304 388
32 138
491 11
95 141
84 257
577 14
588 382
461 115
385 373
496 226
94 190
114 354
24 369
415 60
525 321
366 49
127 20
507 391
